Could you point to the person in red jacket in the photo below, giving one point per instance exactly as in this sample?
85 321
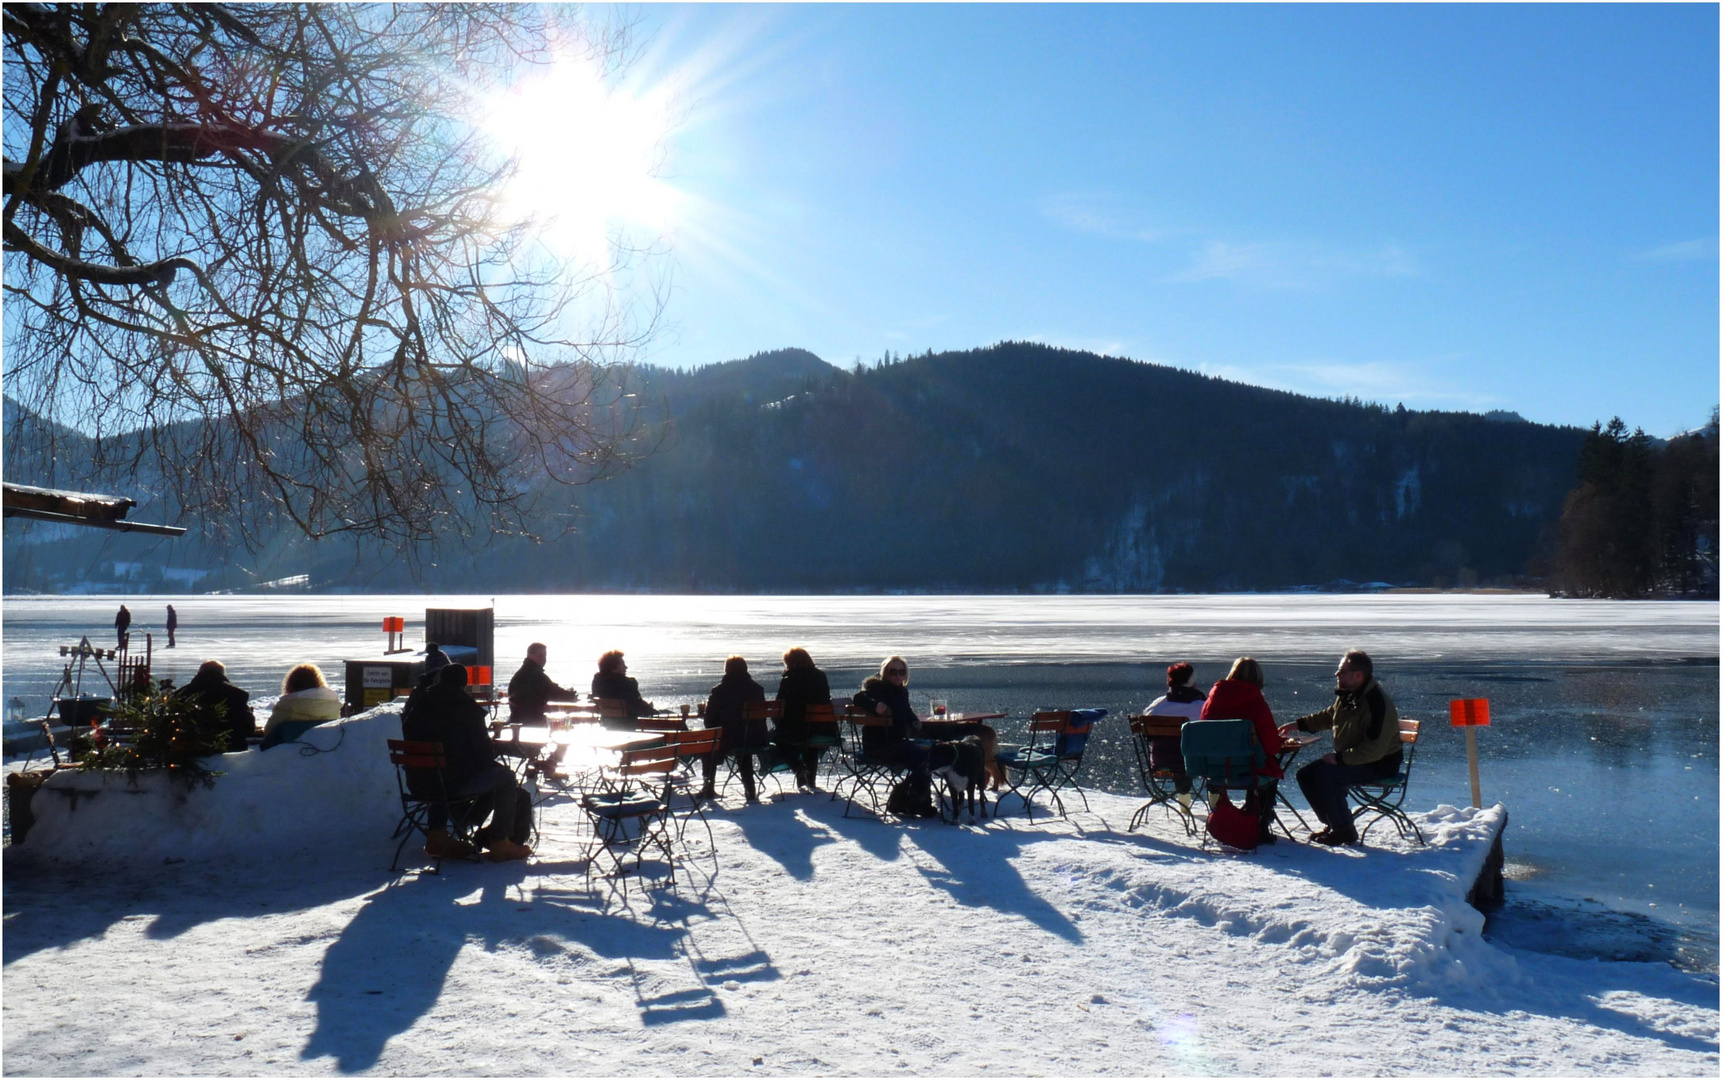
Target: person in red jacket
1238 696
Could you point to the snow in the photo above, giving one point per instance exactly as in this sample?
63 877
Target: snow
254 928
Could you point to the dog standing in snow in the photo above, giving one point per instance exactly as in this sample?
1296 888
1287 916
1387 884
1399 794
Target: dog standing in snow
962 766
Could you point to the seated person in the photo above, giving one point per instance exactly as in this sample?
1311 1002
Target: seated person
531 688
305 696
210 686
803 684
1182 700
435 661
612 682
724 708
887 694
1238 696
1366 746
445 713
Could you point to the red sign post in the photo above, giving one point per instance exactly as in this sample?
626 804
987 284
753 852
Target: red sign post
1471 714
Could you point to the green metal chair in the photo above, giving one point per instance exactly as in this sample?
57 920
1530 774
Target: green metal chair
1225 756
1384 798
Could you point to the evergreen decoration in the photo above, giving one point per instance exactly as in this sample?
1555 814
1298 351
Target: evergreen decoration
158 730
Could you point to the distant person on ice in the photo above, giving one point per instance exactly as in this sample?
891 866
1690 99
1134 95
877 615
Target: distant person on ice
612 682
122 623
447 714
1365 746
172 625
531 688
211 687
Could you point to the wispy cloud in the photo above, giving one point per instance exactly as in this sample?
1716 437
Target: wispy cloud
1294 265
1412 383
1101 346
1098 215
1701 250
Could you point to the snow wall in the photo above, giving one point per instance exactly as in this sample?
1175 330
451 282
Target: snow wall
333 791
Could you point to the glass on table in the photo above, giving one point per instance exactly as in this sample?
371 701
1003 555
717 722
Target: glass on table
941 708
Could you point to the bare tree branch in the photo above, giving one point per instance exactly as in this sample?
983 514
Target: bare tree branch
254 260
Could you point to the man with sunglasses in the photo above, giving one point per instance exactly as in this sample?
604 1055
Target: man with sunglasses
1366 746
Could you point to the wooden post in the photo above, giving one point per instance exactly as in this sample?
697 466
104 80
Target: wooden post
1471 714
1471 756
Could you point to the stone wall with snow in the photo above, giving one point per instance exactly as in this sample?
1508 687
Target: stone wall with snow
334 790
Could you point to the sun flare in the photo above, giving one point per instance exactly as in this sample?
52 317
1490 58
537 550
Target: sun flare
587 158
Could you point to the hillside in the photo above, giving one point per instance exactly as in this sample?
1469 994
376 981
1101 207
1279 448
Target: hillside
1015 467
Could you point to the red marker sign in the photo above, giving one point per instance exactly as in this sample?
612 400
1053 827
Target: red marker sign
1472 712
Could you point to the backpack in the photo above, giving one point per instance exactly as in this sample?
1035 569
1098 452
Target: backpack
1235 827
909 797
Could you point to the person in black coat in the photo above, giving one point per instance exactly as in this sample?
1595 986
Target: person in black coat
803 684
210 686
531 688
725 708
612 682
887 694
122 623
172 625
445 713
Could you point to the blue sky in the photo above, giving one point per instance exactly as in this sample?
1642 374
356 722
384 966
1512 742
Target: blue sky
1469 207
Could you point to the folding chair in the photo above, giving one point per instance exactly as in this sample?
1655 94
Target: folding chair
863 771
1225 756
428 764
630 811
1049 762
692 748
1160 783
757 718
1384 797
822 735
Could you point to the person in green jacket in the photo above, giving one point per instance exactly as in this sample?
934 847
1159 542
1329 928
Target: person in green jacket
1365 729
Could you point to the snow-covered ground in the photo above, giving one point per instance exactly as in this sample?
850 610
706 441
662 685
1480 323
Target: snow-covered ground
253 928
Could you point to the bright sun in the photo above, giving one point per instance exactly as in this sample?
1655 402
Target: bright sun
587 157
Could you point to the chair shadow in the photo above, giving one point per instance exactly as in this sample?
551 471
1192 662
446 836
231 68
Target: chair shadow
388 967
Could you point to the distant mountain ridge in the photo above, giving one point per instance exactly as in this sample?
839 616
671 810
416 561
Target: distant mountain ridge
1012 468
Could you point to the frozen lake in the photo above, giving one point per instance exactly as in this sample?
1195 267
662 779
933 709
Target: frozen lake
1604 745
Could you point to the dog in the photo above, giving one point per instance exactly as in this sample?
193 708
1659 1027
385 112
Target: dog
996 777
962 766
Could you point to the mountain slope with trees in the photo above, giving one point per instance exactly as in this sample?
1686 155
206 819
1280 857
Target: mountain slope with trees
1010 468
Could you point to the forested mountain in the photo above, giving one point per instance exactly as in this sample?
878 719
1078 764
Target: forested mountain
1015 467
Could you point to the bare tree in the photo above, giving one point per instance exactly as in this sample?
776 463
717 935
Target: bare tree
254 255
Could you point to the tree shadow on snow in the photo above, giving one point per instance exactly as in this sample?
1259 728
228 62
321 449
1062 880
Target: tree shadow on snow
48 907
388 967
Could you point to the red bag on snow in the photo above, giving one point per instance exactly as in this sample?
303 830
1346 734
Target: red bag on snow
1234 827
